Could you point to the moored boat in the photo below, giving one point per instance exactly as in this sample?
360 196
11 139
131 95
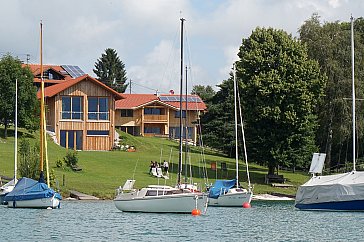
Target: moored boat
160 199
229 193
29 193
343 192
164 199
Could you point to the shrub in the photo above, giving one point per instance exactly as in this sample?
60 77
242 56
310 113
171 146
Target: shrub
71 159
59 163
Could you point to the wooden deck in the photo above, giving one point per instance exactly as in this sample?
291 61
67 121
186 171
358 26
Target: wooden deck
81 196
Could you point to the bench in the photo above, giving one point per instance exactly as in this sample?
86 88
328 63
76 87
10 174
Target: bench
281 185
274 179
76 168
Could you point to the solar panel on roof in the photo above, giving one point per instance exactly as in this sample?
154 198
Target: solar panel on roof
163 98
177 98
74 71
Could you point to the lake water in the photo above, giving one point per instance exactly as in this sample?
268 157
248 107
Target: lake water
101 221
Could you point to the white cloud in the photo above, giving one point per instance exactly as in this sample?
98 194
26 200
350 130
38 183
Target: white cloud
145 33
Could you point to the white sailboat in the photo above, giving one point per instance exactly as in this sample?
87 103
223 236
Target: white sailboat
228 193
8 187
163 199
29 193
344 191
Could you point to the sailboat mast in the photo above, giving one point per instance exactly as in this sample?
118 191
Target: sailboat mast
236 128
353 90
180 110
41 178
16 131
186 131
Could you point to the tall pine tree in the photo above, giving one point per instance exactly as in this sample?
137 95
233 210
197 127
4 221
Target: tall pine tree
111 70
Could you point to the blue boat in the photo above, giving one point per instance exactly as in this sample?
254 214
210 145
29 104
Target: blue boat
29 193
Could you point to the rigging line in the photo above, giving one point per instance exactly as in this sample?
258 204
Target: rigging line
172 55
136 164
134 83
189 55
244 143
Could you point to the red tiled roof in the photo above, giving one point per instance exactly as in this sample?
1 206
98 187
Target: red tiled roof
134 101
35 69
55 89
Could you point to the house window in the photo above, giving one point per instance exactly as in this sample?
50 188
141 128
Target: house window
98 108
177 114
71 139
152 111
98 132
72 107
126 113
152 130
174 132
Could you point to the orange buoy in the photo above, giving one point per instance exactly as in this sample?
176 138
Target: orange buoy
196 212
246 205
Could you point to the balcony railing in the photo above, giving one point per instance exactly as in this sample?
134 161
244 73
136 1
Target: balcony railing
155 118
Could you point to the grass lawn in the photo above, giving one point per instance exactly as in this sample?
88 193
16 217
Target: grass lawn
103 171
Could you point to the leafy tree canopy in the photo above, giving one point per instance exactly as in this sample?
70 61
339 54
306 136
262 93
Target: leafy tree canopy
204 92
280 88
111 70
28 106
330 44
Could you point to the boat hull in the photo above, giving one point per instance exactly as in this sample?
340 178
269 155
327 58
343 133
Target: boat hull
49 202
355 205
2 196
231 199
178 203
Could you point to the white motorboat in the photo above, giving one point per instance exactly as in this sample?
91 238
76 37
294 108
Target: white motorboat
160 199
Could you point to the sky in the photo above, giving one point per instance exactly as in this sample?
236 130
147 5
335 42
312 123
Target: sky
146 33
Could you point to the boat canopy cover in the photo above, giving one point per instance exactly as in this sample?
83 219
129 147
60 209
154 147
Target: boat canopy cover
332 188
28 189
220 187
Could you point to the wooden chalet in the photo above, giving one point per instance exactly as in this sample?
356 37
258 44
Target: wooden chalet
80 110
152 115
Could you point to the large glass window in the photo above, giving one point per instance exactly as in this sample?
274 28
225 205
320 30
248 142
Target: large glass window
98 108
72 107
71 139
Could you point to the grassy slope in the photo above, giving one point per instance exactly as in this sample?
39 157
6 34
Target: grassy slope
104 171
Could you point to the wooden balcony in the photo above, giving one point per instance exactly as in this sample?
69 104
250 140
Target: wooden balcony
155 118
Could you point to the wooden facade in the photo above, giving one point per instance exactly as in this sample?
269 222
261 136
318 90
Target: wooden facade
164 124
83 132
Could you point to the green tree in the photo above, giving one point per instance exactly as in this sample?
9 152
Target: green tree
111 70
204 92
280 89
28 159
330 44
28 105
218 122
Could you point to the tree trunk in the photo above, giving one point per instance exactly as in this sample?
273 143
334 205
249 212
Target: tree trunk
271 169
5 128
